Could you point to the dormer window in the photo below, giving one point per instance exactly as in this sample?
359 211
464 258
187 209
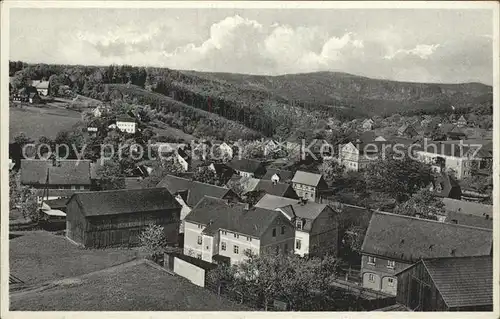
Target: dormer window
299 224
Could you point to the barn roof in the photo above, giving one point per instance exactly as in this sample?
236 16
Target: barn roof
283 174
42 85
409 238
245 165
278 189
125 201
462 282
469 208
64 172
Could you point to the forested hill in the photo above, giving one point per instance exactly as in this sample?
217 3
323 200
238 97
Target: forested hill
263 104
365 96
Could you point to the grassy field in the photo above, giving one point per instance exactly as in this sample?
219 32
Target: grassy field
129 287
36 122
165 130
39 256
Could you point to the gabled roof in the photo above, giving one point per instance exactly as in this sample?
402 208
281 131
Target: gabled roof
462 282
219 214
410 239
278 189
125 201
405 127
446 182
66 172
307 178
469 220
125 118
42 85
283 174
462 119
309 210
195 190
245 165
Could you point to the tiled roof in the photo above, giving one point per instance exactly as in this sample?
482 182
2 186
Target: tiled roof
219 214
42 85
283 174
125 201
278 189
65 193
373 147
196 190
65 172
133 183
125 118
245 165
395 307
410 239
309 210
272 202
462 282
469 208
306 178
469 220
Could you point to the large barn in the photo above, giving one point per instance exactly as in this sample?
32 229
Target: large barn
117 217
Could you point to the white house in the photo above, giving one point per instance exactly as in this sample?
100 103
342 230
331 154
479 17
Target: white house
126 124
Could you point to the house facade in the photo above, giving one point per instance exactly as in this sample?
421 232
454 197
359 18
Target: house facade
367 124
216 231
407 130
42 87
356 157
117 218
126 124
308 185
394 242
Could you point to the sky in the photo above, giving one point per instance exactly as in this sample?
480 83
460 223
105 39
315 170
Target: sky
417 45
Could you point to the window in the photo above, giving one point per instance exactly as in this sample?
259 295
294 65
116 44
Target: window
224 232
200 226
298 224
198 256
391 264
82 187
200 240
223 246
249 238
371 260
298 244
390 282
236 236
73 187
282 230
274 232
236 249
371 277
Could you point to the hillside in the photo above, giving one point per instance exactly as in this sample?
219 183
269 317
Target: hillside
364 96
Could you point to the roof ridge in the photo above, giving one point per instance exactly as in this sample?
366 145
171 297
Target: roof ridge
432 221
121 190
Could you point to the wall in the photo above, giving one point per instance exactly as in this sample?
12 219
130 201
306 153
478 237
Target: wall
242 241
191 233
189 271
324 236
304 243
382 273
75 223
305 191
285 241
185 210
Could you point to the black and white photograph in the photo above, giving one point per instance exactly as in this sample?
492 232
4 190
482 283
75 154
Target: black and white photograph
250 157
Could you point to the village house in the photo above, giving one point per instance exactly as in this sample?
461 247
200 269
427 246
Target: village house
308 185
355 157
276 188
445 186
447 284
367 124
223 232
394 242
188 193
316 227
53 179
126 123
42 87
278 175
247 167
117 217
462 122
223 172
226 151
407 130
462 160
468 213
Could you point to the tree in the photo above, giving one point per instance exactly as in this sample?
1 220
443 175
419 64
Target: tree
205 175
28 204
110 176
330 169
400 178
423 204
161 168
153 240
236 186
354 237
253 197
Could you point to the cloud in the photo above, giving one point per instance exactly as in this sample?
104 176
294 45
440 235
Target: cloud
242 45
